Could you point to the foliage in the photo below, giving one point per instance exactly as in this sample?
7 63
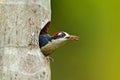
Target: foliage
96 55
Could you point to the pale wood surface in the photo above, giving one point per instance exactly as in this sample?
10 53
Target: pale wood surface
20 24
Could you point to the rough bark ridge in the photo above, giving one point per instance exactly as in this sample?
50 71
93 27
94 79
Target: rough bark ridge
20 24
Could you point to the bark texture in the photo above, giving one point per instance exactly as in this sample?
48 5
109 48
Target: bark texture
20 25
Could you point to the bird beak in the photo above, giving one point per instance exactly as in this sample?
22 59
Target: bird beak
72 37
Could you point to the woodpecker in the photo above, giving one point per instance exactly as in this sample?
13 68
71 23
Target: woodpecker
48 44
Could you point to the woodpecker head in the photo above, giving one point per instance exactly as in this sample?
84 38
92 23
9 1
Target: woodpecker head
63 36
48 44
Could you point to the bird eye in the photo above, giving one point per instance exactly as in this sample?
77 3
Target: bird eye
62 34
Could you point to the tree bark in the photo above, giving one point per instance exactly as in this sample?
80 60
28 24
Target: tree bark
20 25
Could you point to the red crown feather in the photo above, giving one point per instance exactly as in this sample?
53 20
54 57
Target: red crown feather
55 34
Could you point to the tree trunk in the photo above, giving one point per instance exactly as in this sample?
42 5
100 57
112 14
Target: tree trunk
20 25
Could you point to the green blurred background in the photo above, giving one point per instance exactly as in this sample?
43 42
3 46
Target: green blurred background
96 56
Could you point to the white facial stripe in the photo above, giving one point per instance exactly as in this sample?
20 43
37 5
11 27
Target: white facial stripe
59 33
66 34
